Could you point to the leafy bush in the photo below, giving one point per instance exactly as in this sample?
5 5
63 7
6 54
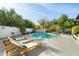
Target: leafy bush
23 30
54 28
33 31
27 33
75 30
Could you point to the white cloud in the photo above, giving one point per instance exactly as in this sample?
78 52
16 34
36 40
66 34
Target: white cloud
6 5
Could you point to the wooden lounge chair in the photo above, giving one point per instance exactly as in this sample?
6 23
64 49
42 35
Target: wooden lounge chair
11 49
75 37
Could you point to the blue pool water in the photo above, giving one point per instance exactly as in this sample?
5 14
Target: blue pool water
43 35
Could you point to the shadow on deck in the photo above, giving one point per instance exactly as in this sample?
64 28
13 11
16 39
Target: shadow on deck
43 49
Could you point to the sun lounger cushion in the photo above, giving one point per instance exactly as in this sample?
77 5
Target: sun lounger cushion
77 37
25 43
28 45
21 37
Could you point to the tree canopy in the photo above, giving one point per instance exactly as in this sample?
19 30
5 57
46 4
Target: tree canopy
62 22
11 18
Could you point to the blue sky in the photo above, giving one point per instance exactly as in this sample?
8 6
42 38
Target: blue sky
50 11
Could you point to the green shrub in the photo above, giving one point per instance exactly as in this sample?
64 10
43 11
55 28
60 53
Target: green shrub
27 33
54 28
33 31
47 31
23 30
75 30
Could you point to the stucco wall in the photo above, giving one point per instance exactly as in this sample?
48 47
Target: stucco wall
6 31
29 30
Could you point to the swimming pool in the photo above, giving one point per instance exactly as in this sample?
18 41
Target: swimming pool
43 35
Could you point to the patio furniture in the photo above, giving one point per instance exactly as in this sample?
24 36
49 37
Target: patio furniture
20 42
76 37
10 49
13 48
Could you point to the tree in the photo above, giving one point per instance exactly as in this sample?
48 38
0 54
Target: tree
70 23
77 16
54 28
62 20
44 24
29 23
11 18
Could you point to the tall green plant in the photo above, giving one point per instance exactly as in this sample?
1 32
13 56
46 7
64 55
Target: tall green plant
23 30
75 30
62 20
54 28
43 23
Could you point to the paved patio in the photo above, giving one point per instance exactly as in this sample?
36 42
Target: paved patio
65 45
1 47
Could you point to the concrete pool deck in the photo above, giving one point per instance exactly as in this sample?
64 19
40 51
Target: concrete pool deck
65 45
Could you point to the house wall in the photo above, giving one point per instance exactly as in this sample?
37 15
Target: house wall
29 30
41 30
6 31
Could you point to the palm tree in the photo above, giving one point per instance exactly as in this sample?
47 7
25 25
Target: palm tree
43 23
